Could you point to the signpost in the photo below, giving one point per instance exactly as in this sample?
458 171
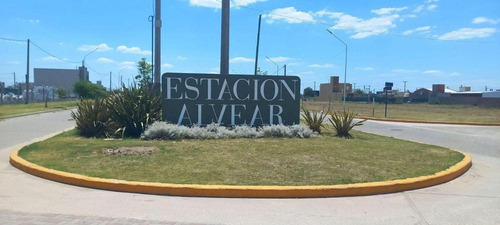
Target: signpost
201 99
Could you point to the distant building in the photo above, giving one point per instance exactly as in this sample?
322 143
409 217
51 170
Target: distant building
60 78
333 90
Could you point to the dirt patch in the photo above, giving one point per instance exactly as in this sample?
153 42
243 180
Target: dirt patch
129 151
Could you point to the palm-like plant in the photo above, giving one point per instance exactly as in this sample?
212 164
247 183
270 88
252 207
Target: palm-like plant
342 123
134 108
92 118
314 120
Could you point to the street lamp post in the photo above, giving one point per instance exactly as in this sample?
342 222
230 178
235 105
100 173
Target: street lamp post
277 67
345 67
83 64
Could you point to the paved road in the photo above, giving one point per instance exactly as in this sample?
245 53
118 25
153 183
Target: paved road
474 198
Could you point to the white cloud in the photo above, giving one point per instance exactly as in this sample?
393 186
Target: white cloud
365 68
100 48
13 62
385 11
404 71
328 65
34 20
432 7
454 74
50 59
167 65
216 4
481 19
432 72
105 60
425 29
365 28
419 8
279 59
468 33
289 15
132 50
181 57
241 60
127 65
306 73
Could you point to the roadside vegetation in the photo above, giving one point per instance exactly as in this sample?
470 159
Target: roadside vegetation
421 111
17 109
324 160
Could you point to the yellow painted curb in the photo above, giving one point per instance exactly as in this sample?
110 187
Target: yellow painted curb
429 122
244 191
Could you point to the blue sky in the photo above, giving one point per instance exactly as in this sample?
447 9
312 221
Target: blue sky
419 41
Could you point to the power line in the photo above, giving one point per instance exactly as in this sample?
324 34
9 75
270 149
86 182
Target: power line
102 74
9 39
358 30
48 53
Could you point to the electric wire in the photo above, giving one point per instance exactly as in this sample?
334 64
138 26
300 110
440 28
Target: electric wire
14 40
48 53
102 74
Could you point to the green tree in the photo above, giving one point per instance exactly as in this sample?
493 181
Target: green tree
88 90
62 93
145 69
308 92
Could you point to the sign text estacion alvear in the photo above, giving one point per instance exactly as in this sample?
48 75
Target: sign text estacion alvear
201 99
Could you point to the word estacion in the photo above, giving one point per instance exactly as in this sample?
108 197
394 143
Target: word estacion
200 99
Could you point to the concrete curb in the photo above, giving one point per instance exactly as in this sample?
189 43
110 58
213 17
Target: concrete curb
244 191
427 122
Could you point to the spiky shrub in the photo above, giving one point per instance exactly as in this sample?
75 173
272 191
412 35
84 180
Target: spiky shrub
134 108
343 122
92 118
314 120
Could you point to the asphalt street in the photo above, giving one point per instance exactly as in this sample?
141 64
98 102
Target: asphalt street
473 198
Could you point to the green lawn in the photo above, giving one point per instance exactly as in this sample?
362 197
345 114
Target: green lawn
422 112
16 109
324 160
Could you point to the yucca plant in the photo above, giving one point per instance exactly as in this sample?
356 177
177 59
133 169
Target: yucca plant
92 118
314 120
134 108
342 123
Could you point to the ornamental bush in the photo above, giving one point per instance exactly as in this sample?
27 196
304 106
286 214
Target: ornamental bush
167 131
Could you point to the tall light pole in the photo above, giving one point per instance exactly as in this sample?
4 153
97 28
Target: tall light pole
157 60
82 71
257 50
151 19
277 67
405 86
345 67
28 73
224 46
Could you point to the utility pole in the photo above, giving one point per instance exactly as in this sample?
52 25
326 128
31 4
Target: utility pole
28 74
224 48
157 59
405 86
257 50
151 19
14 79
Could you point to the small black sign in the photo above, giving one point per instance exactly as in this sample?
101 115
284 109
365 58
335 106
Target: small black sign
201 99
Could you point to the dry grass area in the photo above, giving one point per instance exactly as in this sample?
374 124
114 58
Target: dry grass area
324 160
423 112
16 109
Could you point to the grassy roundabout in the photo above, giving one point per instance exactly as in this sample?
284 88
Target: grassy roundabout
324 160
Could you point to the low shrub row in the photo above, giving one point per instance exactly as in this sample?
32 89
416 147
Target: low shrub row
342 122
167 131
